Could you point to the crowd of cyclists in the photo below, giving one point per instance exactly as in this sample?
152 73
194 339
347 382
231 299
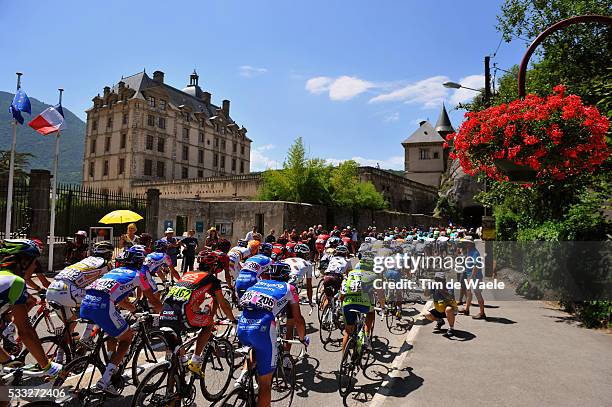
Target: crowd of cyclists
254 286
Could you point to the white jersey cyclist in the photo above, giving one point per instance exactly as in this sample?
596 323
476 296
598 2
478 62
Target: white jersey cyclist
300 268
338 265
237 255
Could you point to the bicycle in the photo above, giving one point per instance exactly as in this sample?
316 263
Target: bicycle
283 378
176 383
330 318
14 378
151 343
353 355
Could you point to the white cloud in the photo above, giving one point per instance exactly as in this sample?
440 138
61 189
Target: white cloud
465 95
260 161
429 92
393 162
393 117
249 71
339 89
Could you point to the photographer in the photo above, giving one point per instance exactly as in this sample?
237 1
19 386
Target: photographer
444 304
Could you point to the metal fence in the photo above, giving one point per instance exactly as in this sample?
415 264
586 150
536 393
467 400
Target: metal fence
21 210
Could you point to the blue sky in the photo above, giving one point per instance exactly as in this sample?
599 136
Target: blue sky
353 78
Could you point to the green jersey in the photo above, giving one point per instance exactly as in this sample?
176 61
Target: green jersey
357 287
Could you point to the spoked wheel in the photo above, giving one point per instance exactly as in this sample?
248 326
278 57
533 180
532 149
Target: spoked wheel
51 345
218 366
78 380
157 388
283 382
148 355
347 368
238 397
326 324
320 291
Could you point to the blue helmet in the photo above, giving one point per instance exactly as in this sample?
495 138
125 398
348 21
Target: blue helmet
242 243
160 246
279 271
133 256
266 249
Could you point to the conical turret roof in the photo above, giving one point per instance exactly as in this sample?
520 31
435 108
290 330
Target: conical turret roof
443 125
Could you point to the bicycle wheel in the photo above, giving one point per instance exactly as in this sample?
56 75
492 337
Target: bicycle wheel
326 324
156 388
319 292
283 381
78 379
347 368
218 366
238 397
50 345
47 316
148 355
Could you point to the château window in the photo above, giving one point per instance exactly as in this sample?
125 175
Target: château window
149 142
151 101
185 173
223 145
161 169
436 155
222 161
105 171
200 174
201 137
121 166
161 145
92 169
148 167
161 123
185 153
150 120
216 141
215 160
233 164
92 146
200 156
242 149
234 147
94 125
162 104
109 123
125 118
123 140
242 167
107 144
185 133
424 154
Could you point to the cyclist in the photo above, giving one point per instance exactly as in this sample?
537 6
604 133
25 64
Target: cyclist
156 262
301 267
192 302
76 249
18 257
111 291
68 288
356 295
238 255
252 270
320 243
337 268
257 324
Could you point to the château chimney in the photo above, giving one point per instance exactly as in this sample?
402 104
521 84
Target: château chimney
206 97
226 107
158 76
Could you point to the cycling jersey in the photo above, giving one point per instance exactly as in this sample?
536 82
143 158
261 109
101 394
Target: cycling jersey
102 295
320 242
68 288
337 265
155 261
251 270
258 264
300 268
223 259
190 303
236 256
257 327
12 290
357 287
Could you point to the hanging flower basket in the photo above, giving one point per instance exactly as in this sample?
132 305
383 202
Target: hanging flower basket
532 139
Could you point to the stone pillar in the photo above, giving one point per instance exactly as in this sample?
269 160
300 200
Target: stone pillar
40 192
152 212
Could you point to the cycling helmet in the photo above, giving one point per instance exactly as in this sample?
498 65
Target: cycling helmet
341 251
279 271
160 246
265 249
134 256
13 250
335 233
334 241
370 239
209 261
81 233
242 243
380 236
223 245
146 239
302 250
253 245
103 249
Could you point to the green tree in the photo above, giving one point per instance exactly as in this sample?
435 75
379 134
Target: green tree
22 161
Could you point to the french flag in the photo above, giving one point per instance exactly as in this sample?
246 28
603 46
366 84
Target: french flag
49 121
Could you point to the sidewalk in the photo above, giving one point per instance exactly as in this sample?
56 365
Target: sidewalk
527 354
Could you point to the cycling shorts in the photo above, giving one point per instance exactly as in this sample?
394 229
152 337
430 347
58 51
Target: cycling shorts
257 329
101 310
349 316
66 294
332 283
244 282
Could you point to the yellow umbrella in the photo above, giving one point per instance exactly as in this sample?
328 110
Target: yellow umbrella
120 216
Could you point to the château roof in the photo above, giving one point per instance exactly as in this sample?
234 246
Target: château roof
424 134
443 125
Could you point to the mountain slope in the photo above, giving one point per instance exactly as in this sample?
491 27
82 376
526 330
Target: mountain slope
28 141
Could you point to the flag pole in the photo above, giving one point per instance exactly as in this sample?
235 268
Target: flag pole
54 192
9 197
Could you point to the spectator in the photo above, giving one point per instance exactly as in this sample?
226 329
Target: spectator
249 235
270 238
294 237
190 247
130 238
173 245
212 239
473 272
147 241
76 250
283 238
444 304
